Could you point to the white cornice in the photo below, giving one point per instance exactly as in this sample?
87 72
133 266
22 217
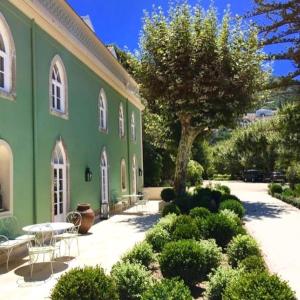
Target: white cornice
58 19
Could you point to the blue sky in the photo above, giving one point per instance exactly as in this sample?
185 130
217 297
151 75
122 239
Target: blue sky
120 21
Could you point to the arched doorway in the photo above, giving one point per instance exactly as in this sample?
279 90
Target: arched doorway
59 183
6 177
134 176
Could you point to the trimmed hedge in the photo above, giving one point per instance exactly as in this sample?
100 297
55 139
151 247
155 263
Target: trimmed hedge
168 194
252 263
199 212
290 200
158 237
190 260
171 208
167 222
256 286
141 253
233 205
275 188
241 247
90 283
132 280
170 289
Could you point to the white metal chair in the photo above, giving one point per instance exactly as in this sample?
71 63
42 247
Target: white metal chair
42 244
7 247
71 234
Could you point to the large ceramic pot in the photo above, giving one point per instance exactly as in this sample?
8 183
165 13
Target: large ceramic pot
88 217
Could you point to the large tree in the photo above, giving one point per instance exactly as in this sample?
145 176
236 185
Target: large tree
198 73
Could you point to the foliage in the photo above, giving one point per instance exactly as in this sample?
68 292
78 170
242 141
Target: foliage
241 247
229 197
167 222
221 177
227 213
194 173
185 228
171 289
288 199
218 281
205 197
220 228
224 189
233 205
88 283
275 188
158 237
199 212
293 174
252 263
191 68
168 194
287 192
254 286
189 260
171 208
141 253
132 280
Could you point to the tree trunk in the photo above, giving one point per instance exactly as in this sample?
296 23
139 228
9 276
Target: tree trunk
188 135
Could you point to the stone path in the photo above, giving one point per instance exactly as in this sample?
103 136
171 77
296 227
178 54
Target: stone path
105 244
276 226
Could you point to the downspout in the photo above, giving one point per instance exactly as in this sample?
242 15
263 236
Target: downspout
128 120
34 117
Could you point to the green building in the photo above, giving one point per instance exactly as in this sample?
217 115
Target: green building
70 115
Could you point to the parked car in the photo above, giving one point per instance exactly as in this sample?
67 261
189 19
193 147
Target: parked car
253 175
277 177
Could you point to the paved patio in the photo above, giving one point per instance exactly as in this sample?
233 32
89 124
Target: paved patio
276 226
104 245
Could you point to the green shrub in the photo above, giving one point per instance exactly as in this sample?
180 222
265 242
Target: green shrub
168 289
241 247
190 260
132 280
199 212
287 192
141 253
167 194
184 202
252 263
221 177
233 205
297 190
221 228
256 286
275 188
222 188
194 173
171 208
229 197
186 231
158 237
88 283
293 174
218 280
203 197
167 222
227 213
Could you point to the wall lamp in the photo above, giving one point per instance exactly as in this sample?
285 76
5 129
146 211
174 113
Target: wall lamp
88 174
140 172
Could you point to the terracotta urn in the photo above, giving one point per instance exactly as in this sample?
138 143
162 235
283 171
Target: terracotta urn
88 217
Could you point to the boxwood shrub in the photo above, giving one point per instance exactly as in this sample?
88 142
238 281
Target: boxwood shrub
199 212
229 197
233 205
167 222
132 280
158 237
219 227
241 247
171 289
252 263
171 208
184 228
255 286
218 280
141 253
90 283
190 260
275 188
168 194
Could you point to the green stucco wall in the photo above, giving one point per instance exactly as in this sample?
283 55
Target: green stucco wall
80 134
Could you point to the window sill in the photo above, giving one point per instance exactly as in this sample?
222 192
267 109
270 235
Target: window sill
59 114
8 95
5 213
102 130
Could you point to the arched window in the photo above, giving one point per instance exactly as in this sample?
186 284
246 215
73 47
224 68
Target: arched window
102 111
104 177
7 59
123 174
121 121
59 184
134 175
6 178
132 125
58 87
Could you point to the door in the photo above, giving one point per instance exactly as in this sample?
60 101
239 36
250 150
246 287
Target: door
134 177
104 178
59 184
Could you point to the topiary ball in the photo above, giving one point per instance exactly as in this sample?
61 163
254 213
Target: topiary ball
171 208
199 212
233 205
157 237
168 194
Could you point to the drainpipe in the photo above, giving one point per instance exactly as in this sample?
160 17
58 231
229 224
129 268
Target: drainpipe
34 117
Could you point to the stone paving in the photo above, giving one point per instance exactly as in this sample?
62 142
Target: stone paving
104 245
276 226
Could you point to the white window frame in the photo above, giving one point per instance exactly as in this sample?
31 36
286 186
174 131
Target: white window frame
104 177
133 127
9 61
54 84
102 111
121 121
134 175
123 175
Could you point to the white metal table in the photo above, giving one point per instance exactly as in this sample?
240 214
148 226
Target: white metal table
47 227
